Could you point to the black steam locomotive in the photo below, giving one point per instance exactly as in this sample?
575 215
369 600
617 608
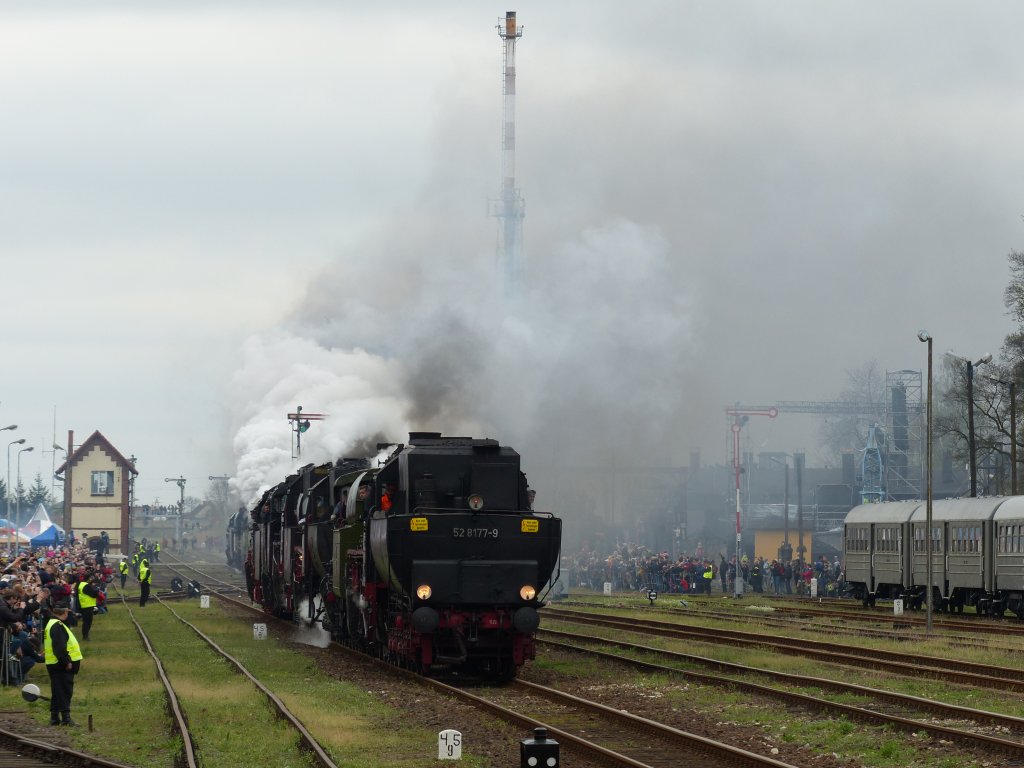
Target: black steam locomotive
236 538
433 559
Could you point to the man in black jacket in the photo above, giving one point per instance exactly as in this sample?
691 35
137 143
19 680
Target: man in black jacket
88 593
63 660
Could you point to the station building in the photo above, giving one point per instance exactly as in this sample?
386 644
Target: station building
97 481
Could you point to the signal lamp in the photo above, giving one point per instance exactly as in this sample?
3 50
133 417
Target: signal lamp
527 592
476 502
423 591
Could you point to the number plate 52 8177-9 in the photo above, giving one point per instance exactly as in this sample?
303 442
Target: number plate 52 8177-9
475 533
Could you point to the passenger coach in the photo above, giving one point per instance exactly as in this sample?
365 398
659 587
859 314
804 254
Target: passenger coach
976 545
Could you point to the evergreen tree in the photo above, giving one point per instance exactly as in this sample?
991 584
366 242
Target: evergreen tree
39 493
20 502
3 498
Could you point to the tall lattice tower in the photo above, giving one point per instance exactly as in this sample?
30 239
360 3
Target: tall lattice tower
510 207
906 432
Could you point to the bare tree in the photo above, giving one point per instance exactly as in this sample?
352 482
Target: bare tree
865 386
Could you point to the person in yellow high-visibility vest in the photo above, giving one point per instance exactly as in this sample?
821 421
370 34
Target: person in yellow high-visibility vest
145 579
88 592
63 658
123 568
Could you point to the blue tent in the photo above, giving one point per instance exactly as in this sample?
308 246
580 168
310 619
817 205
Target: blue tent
49 537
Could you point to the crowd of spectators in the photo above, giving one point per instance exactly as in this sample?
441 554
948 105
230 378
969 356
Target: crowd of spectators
631 567
33 583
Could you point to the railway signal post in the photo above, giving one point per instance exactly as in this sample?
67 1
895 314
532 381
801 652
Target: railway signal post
300 423
740 417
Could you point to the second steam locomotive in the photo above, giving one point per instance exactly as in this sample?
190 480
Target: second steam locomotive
433 559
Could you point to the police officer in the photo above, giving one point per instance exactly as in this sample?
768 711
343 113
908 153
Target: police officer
709 576
122 567
63 658
145 579
87 593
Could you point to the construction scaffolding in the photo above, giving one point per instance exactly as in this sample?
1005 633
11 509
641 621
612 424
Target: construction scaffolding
905 429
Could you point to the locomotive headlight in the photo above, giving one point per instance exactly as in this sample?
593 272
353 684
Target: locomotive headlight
476 502
527 592
423 591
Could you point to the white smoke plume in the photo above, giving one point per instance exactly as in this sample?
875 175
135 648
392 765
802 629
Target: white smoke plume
584 367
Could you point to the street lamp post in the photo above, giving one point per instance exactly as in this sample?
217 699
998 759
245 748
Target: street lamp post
7 509
924 336
17 515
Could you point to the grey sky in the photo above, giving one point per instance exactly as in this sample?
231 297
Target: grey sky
725 202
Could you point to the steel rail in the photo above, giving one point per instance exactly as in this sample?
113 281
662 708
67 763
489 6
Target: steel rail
310 742
592 750
974 740
180 720
725 752
967 673
29 753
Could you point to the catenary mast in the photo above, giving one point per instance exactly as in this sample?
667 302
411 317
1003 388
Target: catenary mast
511 208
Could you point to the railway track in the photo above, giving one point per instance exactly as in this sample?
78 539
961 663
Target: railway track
22 751
910 665
898 629
592 730
189 756
882 708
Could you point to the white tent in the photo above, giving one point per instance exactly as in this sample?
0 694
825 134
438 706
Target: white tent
40 524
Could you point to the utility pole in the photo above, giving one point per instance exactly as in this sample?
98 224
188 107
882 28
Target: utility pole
181 505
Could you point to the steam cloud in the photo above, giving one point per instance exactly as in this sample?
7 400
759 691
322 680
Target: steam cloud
585 367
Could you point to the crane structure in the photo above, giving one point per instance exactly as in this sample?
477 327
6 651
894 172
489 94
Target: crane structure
509 208
895 452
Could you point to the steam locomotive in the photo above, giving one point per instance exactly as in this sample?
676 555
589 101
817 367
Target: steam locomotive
432 559
236 538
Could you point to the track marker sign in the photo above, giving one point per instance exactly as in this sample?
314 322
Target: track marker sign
449 745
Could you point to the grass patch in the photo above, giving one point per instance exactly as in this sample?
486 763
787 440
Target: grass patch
231 721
